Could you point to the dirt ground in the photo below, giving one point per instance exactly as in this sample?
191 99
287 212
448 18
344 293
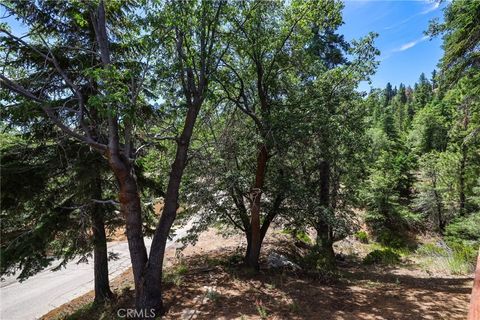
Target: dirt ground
210 286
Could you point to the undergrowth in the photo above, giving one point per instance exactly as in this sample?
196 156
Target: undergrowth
454 258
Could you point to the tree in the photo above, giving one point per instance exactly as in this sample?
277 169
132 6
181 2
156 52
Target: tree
386 190
195 28
436 188
461 34
260 68
66 71
422 93
434 80
58 208
272 91
325 166
429 130
464 133
388 94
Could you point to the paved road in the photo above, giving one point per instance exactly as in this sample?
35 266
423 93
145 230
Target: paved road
47 290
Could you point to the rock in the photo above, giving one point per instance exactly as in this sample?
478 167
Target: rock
188 314
276 260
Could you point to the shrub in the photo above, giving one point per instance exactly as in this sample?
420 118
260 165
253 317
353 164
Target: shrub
235 259
298 235
318 262
181 268
213 295
391 239
462 260
362 236
464 230
384 256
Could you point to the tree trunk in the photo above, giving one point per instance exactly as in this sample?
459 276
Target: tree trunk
249 245
256 195
131 210
152 295
438 202
100 254
263 230
441 225
441 222
271 215
461 184
324 244
100 258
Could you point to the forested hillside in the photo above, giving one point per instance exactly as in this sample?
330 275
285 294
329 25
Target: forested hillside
239 116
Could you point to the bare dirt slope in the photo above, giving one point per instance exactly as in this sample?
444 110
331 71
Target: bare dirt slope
211 288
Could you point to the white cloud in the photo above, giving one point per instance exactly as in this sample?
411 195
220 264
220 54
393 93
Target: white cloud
410 44
434 7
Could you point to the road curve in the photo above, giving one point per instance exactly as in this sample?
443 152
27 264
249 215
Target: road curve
47 290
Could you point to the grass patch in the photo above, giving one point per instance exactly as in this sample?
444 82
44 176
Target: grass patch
105 311
462 260
262 311
383 256
175 275
455 258
213 296
294 307
432 250
80 313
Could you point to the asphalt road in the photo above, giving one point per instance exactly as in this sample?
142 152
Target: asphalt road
47 290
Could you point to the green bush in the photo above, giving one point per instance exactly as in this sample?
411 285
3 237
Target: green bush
316 261
462 260
384 256
362 236
298 235
463 237
464 251
464 230
391 239
304 237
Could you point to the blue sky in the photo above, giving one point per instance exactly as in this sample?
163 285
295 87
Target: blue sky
405 50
